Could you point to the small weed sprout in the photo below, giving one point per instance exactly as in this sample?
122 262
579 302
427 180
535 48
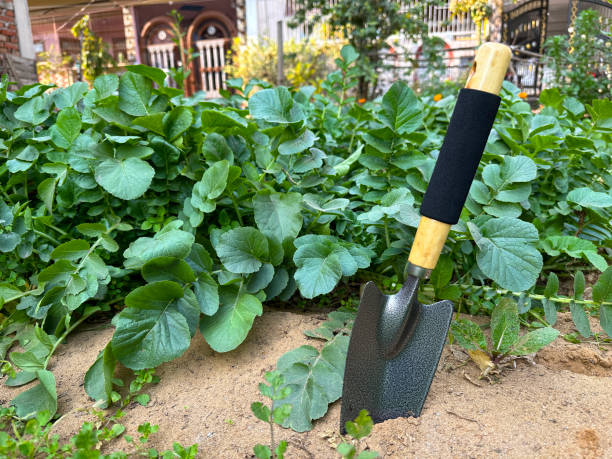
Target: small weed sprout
505 344
275 391
359 428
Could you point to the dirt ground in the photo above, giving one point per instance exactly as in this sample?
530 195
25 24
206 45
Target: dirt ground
559 407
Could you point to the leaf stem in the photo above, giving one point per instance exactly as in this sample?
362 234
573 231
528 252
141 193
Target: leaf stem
46 236
68 331
236 209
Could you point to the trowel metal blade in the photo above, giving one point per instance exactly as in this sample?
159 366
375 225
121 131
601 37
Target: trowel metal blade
394 351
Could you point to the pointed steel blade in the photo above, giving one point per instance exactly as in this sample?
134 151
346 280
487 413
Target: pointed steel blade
394 351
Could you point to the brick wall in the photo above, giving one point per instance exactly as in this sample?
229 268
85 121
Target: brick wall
9 43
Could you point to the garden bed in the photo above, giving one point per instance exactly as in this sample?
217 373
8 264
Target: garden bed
558 407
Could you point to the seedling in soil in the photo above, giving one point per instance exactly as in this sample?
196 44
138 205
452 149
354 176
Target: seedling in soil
274 391
357 429
505 345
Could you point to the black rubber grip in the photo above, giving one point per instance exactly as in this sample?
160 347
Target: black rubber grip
460 154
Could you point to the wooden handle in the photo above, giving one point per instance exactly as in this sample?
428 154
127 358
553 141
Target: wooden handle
487 74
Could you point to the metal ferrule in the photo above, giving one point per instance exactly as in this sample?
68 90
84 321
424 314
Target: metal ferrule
416 271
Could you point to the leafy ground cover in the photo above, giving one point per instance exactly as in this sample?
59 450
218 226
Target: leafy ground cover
180 216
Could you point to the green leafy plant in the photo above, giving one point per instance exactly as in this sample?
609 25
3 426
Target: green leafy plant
179 216
367 26
32 438
277 392
304 63
505 339
359 428
94 57
580 61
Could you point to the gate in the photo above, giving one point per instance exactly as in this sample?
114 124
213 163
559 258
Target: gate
524 28
162 56
212 65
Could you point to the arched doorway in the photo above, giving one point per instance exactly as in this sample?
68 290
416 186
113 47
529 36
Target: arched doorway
209 35
157 37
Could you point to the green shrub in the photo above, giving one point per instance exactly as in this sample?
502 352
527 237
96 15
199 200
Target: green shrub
305 63
581 65
193 213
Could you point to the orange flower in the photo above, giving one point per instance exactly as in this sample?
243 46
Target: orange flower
522 95
437 97
361 101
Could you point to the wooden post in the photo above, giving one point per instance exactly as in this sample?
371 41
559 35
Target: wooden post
279 54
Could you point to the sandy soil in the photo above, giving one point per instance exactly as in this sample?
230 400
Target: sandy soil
559 407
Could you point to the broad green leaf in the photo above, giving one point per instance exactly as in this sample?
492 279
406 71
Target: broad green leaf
275 105
315 379
514 169
504 325
319 269
46 191
71 250
586 197
39 398
580 318
168 268
8 291
71 95
242 250
575 247
21 378
229 327
605 317
127 179
6 214
442 274
349 55
99 378
260 280
278 215
401 109
207 293
552 285
27 361
35 111
343 167
151 330
156 75
211 186
171 243
278 284
219 118
479 192
550 311
176 122
9 241
106 85
93 230
57 272
215 148
134 94
579 285
66 128
602 290
154 122
198 259
506 252
261 411
297 145
468 335
534 341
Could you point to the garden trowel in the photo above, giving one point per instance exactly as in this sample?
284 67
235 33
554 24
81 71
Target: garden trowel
396 342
